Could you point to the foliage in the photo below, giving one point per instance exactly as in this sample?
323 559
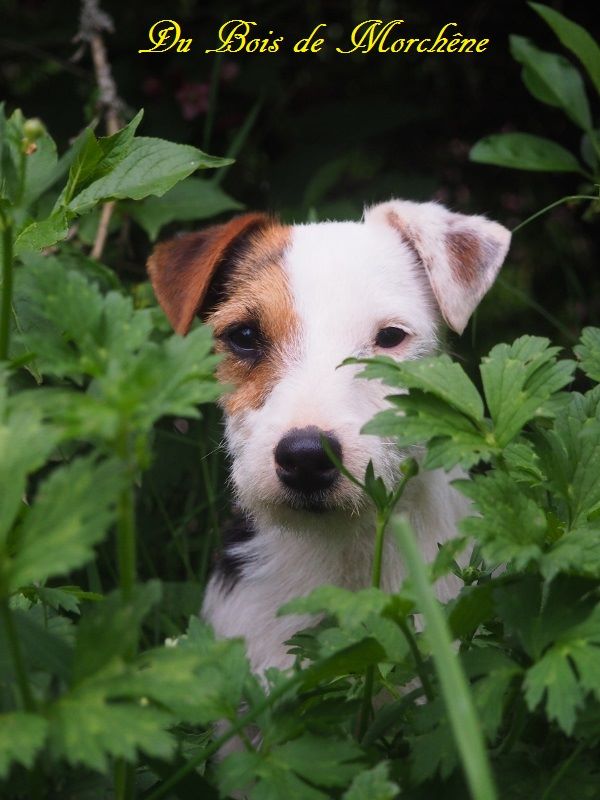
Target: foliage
552 79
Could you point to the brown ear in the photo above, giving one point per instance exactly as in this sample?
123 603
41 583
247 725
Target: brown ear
181 269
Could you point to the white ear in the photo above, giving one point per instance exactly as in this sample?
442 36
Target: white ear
461 254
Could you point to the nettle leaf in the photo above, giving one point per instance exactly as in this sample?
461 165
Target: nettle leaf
567 672
560 82
570 457
150 166
575 38
25 444
37 235
523 463
511 527
588 352
518 379
71 513
22 735
524 151
192 199
373 784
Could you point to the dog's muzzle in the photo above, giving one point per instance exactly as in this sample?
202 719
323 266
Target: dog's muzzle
302 463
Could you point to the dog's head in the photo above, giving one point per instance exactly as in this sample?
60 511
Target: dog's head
289 303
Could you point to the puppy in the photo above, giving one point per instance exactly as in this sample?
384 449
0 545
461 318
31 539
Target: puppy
288 303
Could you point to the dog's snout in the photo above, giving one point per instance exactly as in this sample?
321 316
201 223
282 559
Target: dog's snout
302 463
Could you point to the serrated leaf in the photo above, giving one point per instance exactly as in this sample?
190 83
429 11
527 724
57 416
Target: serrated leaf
71 513
575 38
511 528
349 608
22 735
588 352
518 379
561 81
25 443
577 552
524 151
436 375
192 199
373 784
567 672
150 167
87 728
570 457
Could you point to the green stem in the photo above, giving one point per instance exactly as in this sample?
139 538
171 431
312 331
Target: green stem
455 689
126 536
17 656
124 780
7 289
539 213
419 663
381 520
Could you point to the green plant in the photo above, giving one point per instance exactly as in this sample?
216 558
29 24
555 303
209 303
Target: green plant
110 686
554 80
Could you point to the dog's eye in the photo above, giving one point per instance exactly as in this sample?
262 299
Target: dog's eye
390 337
245 340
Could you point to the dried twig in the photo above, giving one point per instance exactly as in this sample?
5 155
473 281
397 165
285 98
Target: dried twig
93 22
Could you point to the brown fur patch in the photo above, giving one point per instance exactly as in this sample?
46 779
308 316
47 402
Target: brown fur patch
182 269
465 256
256 292
410 238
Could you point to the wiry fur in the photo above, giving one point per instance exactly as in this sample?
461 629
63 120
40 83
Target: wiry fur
339 284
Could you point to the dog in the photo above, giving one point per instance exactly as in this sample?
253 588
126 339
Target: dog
287 304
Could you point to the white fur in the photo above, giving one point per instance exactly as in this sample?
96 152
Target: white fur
347 280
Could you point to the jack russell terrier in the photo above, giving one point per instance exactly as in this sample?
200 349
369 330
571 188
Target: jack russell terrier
288 303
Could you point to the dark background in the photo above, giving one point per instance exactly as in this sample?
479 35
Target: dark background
330 133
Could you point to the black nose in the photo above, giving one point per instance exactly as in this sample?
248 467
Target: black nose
302 463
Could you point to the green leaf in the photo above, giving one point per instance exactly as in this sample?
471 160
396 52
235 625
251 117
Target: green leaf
111 629
22 735
575 38
192 199
570 457
40 168
417 418
576 553
436 375
511 527
588 352
292 769
524 151
560 80
25 443
349 608
38 235
86 727
518 379
71 513
151 166
567 672
373 784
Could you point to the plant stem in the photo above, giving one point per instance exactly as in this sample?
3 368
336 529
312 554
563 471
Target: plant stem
539 213
7 288
455 689
381 520
126 536
17 656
